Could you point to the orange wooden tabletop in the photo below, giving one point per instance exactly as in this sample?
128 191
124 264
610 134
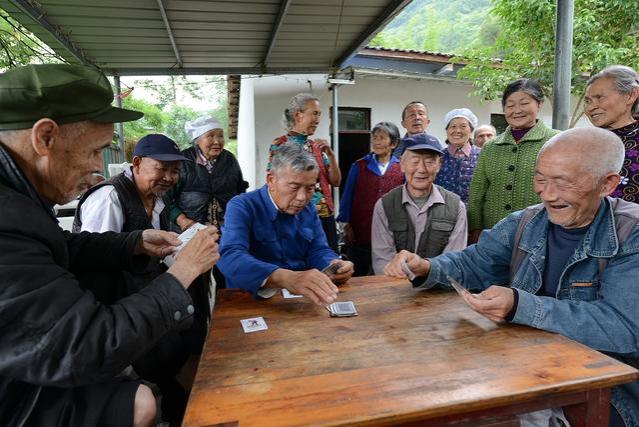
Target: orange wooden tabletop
409 355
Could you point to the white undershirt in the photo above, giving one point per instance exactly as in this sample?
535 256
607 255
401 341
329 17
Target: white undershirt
102 210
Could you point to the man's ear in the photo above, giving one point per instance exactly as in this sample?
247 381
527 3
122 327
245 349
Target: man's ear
609 184
270 177
44 134
136 161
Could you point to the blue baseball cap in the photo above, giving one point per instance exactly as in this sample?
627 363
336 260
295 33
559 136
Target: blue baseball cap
423 141
158 147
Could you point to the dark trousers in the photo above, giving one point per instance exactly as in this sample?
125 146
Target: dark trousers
361 257
330 229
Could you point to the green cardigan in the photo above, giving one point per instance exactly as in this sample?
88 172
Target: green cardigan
503 178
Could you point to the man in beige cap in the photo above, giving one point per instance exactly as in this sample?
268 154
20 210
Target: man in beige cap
61 348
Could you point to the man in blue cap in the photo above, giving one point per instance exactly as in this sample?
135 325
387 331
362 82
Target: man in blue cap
135 200
60 347
418 216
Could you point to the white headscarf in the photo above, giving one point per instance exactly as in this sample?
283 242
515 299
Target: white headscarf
461 112
200 126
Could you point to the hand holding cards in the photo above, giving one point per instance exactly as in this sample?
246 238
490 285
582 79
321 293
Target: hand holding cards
459 288
187 235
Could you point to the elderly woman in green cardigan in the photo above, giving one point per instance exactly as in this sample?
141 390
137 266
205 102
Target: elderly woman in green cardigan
503 178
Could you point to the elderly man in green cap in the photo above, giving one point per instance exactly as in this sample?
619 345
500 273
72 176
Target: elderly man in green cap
60 348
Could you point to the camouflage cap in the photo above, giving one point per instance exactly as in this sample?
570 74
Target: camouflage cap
62 92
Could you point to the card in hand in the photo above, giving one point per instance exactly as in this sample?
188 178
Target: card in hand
342 309
459 288
411 276
331 269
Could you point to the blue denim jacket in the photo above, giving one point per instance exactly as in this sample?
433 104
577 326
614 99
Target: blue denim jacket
604 316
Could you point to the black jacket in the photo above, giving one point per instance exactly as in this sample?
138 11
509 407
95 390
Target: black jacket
53 333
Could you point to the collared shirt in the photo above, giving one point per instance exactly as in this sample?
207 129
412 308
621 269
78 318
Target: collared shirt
258 239
202 160
102 210
463 151
383 242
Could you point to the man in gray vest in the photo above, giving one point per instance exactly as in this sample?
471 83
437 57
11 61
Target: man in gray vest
419 216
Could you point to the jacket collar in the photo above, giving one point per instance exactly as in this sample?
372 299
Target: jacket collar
600 239
537 133
268 202
12 176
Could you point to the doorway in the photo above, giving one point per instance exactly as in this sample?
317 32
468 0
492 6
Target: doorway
354 136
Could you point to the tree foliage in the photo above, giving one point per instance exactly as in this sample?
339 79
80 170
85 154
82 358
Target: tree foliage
605 33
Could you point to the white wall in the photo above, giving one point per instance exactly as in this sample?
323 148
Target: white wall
385 96
246 132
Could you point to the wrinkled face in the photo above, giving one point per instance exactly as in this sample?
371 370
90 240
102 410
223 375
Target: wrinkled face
458 131
74 157
415 119
420 169
211 143
569 192
154 176
307 121
606 107
482 135
521 110
381 143
291 190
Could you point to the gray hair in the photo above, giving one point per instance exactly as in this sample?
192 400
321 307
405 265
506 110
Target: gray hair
297 104
293 156
625 80
600 151
491 127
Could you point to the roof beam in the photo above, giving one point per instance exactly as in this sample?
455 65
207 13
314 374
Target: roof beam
393 8
276 29
178 58
142 71
39 15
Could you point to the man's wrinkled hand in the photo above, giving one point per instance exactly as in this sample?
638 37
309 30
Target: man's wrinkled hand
198 256
494 303
157 243
314 285
343 273
418 265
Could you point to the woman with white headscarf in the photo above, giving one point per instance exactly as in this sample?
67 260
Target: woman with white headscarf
209 178
460 157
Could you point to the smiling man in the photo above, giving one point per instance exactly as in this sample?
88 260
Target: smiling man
569 265
418 216
272 237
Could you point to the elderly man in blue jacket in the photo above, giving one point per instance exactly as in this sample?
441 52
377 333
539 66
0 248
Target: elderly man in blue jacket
570 263
273 239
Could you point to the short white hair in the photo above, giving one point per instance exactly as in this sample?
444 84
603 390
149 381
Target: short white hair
600 151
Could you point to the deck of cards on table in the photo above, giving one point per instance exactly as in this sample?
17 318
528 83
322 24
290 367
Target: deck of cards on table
342 309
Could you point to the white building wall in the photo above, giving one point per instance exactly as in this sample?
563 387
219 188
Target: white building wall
246 132
385 96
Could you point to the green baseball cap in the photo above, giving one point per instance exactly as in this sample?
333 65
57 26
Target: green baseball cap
62 92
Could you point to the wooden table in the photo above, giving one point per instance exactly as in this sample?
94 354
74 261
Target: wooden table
409 356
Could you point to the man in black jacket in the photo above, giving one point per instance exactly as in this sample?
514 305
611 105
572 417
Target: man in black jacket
60 349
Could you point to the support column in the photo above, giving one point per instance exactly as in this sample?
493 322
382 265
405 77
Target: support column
119 126
563 64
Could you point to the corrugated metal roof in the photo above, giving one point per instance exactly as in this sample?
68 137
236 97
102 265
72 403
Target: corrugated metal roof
219 37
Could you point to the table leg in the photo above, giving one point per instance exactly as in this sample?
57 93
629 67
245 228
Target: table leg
594 412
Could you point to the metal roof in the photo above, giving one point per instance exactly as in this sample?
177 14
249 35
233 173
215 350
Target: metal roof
144 37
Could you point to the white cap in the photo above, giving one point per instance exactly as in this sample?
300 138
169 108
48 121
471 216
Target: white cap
200 126
461 112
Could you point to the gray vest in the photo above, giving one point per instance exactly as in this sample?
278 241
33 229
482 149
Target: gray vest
439 225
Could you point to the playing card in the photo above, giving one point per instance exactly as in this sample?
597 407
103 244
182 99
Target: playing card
459 288
407 272
187 235
253 325
332 268
342 309
287 294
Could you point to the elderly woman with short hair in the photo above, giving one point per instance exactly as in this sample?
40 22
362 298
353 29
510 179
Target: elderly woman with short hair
209 178
503 178
612 102
460 157
369 178
302 117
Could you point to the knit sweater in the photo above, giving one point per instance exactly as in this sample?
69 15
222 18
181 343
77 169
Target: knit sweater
503 178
